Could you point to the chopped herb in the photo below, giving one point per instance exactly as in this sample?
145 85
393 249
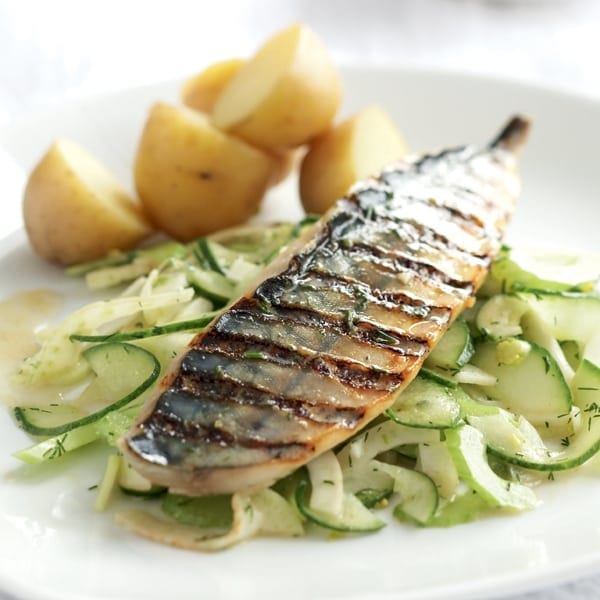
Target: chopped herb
93 487
384 338
57 450
264 306
254 355
363 297
565 441
547 363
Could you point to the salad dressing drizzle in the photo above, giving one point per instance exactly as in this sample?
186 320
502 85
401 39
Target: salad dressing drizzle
22 315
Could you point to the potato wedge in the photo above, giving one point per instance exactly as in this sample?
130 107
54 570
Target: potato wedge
192 178
285 95
75 210
352 150
201 92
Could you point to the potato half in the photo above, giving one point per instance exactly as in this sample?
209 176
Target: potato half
192 178
201 92
285 95
354 149
75 210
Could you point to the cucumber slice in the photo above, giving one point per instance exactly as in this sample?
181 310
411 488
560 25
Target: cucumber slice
440 378
530 382
500 316
454 350
463 508
435 461
426 403
354 517
206 512
569 316
211 284
209 250
125 336
512 438
418 493
467 448
59 445
123 372
541 269
518 443
152 256
368 483
379 438
572 353
536 330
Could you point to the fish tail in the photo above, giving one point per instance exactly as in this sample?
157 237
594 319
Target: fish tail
514 134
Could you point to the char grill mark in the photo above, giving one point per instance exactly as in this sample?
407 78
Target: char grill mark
273 292
305 329
353 302
239 394
399 263
315 384
347 372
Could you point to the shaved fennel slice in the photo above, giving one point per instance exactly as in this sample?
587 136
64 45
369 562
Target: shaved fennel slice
264 512
60 361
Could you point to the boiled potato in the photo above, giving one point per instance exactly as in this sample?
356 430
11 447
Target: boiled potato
192 178
352 150
201 92
75 210
285 95
285 162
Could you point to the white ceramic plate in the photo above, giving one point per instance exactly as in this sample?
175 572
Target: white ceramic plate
53 545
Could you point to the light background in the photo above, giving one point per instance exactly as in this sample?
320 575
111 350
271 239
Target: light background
58 50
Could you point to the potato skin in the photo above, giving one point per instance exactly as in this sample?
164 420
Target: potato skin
327 170
301 104
193 179
71 217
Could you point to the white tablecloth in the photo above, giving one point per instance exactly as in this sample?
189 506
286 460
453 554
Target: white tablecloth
59 49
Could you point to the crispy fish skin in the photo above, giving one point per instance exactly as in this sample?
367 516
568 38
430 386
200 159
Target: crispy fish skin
340 324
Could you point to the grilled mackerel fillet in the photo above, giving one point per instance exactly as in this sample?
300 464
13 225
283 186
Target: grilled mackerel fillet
337 327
